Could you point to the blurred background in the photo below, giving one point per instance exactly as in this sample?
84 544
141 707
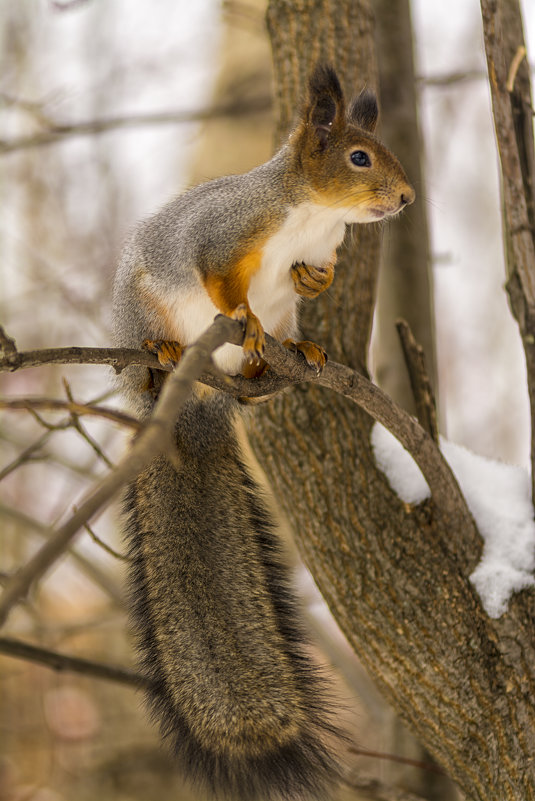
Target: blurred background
181 93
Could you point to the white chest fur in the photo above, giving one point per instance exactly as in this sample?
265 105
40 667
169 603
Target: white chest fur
310 233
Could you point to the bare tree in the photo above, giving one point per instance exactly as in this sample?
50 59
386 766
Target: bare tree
405 280
395 575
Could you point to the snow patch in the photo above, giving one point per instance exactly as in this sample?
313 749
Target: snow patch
498 496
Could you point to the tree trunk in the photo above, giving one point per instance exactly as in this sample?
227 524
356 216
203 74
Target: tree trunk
235 144
405 289
405 279
513 120
394 576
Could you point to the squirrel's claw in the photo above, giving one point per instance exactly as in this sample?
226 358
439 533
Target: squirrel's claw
254 339
315 356
311 281
168 351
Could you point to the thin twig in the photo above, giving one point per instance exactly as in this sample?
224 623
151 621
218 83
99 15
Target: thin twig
47 455
102 579
93 444
379 791
450 78
158 433
55 405
513 69
66 5
49 427
60 132
75 418
73 664
155 438
104 545
27 455
422 390
414 763
32 106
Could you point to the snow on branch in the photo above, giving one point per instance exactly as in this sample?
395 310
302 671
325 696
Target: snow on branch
499 497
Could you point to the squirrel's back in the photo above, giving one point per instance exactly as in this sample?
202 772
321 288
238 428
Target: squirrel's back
234 690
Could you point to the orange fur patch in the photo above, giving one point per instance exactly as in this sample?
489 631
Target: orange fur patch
228 291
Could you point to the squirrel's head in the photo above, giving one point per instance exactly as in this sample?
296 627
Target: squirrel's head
344 164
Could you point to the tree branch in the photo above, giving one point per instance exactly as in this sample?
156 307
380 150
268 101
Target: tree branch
104 545
422 390
289 369
443 485
415 763
86 565
153 440
28 454
73 664
77 409
118 358
60 132
512 111
378 791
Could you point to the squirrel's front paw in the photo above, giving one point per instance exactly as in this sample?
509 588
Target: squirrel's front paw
310 281
254 339
315 356
168 351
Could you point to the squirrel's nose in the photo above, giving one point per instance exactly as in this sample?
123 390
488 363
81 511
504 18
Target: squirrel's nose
407 196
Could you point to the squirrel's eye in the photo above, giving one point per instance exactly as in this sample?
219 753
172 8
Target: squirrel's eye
360 159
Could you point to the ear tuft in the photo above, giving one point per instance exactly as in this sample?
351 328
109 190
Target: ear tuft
325 101
324 81
363 110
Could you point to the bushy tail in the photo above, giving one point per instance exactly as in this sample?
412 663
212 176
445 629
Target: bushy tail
232 687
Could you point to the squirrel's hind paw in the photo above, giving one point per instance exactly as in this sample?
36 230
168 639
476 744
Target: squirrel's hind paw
168 351
254 339
315 356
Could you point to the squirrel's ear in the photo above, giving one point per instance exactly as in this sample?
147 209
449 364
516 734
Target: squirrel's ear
325 104
363 110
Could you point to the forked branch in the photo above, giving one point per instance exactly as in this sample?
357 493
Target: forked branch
286 369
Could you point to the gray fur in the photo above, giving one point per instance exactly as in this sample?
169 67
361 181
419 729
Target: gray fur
198 231
198 228
233 689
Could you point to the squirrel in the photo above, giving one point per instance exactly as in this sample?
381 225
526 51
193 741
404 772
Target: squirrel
218 627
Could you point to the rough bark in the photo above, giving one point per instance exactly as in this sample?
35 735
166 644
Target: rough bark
405 278
513 120
394 576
